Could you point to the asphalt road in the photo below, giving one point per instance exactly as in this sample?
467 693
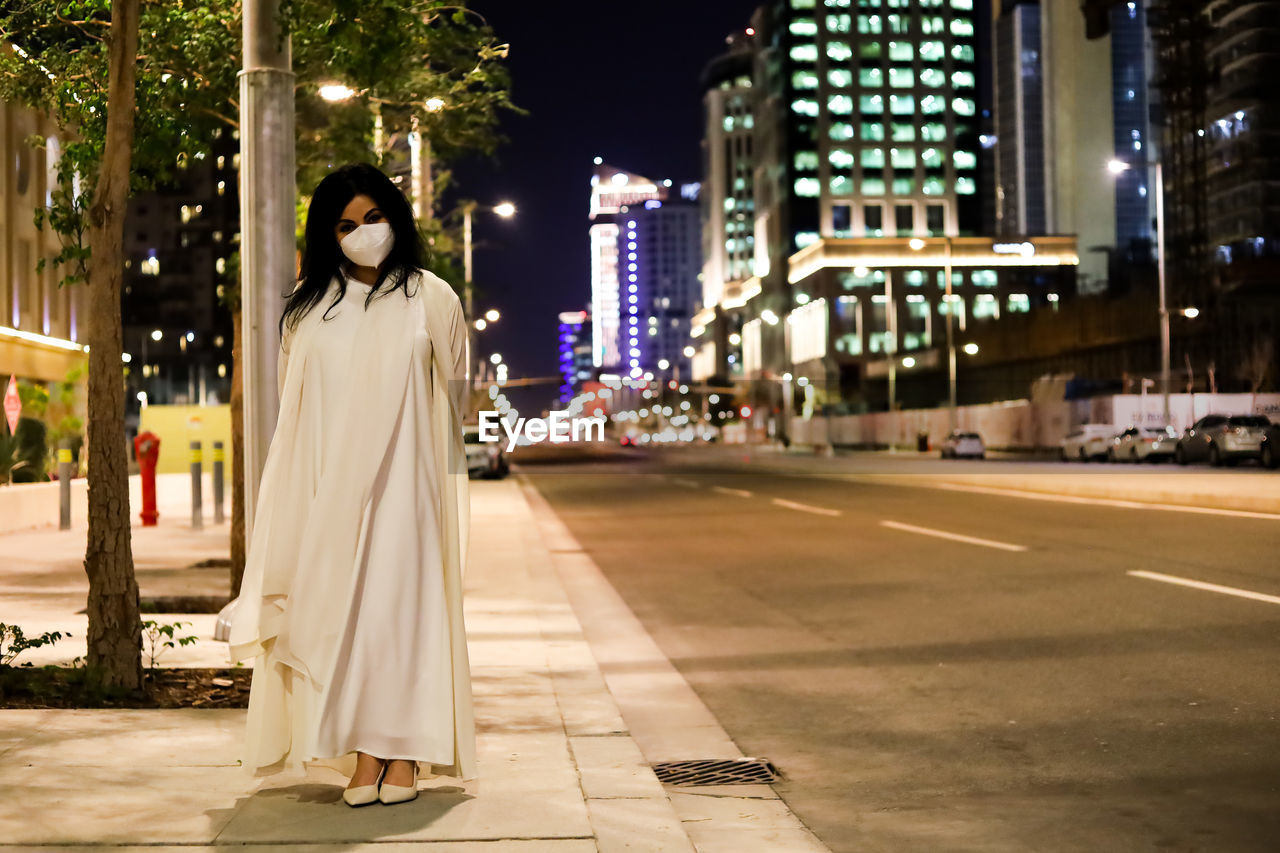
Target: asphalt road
1013 690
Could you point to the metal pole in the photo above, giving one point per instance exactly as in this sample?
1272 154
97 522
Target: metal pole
218 455
891 339
197 498
415 165
66 469
1164 305
951 346
267 217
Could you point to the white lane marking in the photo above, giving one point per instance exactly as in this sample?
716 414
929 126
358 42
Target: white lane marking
955 537
682 482
817 510
725 490
1115 502
1208 587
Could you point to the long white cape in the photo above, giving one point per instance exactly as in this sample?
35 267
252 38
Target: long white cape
291 620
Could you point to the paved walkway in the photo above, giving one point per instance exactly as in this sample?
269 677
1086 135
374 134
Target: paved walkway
561 766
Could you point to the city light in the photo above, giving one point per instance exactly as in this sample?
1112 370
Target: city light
663 364
505 209
336 92
157 335
916 244
495 358
971 349
125 357
435 105
480 325
908 362
1115 167
492 315
689 352
1191 313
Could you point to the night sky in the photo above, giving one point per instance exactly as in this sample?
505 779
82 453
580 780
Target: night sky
617 80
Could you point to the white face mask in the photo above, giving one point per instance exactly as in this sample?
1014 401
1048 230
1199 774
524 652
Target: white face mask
368 245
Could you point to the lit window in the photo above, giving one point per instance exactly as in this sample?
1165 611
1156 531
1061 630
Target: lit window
965 160
1019 303
845 4
962 52
872 132
841 131
869 50
871 104
805 238
728 124
842 185
804 52
962 106
806 161
915 278
901 78
841 159
932 25
805 106
983 278
961 27
838 23
902 158
869 24
904 186
985 305
899 24
808 187
932 51
840 77
934 186
933 77
932 158
903 132
933 131
901 51
840 104
902 105
804 80
932 105
839 51
872 158
962 80
802 4
804 27
966 186
870 77
966 4
873 186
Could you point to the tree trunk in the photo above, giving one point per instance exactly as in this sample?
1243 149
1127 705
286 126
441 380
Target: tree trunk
115 639
237 457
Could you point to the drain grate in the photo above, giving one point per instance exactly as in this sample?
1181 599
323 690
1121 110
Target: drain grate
717 771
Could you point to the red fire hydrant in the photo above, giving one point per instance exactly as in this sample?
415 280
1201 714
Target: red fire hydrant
146 448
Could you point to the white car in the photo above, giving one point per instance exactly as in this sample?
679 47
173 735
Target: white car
963 444
484 458
1088 441
1142 444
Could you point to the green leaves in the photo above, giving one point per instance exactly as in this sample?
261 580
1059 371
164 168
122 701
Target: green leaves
157 638
14 642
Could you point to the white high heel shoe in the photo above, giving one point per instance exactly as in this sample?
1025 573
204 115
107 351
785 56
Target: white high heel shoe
392 794
363 795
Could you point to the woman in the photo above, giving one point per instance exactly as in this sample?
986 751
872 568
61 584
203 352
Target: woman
351 604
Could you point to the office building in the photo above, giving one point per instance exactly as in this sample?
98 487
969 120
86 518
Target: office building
574 353
42 325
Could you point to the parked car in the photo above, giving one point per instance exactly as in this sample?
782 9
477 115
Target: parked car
1222 439
1141 444
963 444
1088 441
484 458
1271 447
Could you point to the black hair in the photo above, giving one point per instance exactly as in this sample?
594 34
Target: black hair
322 258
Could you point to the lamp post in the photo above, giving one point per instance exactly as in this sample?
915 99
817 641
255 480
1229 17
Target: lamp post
504 209
1116 167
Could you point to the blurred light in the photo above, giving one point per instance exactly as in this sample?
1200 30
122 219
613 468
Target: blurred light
971 349
125 357
786 377
916 244
1115 167
336 92
496 358
191 336
599 160
492 315
435 105
1191 313
505 209
157 335
663 364
909 362
745 411
142 398
480 324
689 352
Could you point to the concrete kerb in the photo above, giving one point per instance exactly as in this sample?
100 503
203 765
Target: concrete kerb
666 719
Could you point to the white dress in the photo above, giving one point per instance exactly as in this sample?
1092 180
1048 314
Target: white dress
351 604
394 657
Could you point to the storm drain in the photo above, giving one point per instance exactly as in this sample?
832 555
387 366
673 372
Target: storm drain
718 771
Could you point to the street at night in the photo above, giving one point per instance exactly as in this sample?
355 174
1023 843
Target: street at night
1012 689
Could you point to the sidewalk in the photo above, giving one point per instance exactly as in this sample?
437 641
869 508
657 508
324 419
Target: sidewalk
559 768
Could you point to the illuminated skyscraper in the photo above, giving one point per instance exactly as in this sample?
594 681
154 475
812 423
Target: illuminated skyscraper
612 189
574 353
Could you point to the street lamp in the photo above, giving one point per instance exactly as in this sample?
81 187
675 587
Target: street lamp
1116 167
492 315
504 209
